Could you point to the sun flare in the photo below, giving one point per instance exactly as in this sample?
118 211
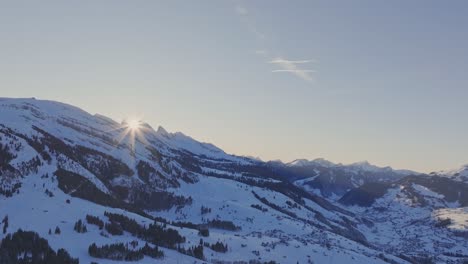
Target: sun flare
133 124
131 132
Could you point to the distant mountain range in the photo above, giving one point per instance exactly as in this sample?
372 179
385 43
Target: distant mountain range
100 191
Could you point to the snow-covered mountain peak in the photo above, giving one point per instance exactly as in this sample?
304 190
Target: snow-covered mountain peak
316 162
357 167
366 166
459 174
323 162
462 170
70 122
299 162
363 163
161 131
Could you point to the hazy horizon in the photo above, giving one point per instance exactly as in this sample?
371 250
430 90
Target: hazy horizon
379 81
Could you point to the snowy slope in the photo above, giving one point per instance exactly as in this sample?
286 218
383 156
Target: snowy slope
59 163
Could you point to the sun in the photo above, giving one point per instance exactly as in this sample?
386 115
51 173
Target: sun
133 124
131 133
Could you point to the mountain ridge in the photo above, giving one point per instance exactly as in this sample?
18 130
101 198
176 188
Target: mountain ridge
59 158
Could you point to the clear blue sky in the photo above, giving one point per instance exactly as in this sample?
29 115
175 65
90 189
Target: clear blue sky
384 81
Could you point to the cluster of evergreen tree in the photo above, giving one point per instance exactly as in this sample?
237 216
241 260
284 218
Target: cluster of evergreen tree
122 251
28 247
158 200
195 251
114 228
153 252
117 251
222 224
167 237
80 227
205 210
183 224
127 224
5 157
27 167
219 247
94 220
8 192
202 228
154 233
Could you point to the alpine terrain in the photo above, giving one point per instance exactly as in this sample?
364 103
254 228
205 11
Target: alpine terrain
82 188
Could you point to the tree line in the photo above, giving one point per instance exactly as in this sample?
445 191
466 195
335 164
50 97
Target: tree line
28 247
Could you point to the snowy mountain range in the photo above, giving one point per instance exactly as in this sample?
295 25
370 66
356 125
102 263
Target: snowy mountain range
459 174
110 192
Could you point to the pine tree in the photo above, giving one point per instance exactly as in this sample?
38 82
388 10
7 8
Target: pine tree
198 252
5 224
80 227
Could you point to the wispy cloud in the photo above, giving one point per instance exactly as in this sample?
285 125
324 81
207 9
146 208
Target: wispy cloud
279 61
288 66
291 66
293 71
